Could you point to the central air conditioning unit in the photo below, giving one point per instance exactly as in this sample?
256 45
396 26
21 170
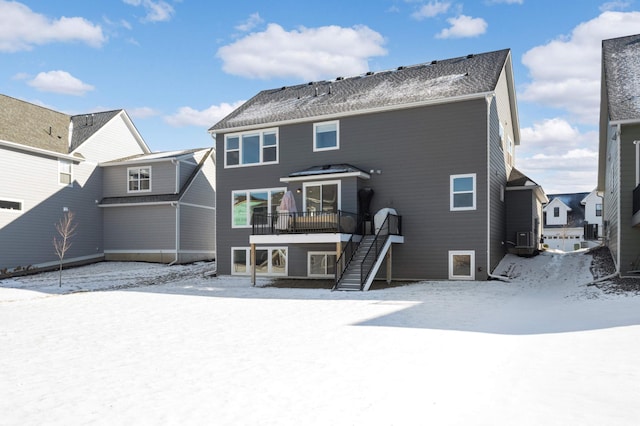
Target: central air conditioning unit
524 239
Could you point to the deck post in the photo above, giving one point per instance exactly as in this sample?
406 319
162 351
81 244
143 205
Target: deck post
389 256
253 264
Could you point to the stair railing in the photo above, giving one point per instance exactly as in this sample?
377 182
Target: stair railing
348 252
392 225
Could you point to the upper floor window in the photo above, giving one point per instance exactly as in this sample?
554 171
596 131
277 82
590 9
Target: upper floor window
326 136
64 172
598 209
463 192
139 179
556 212
251 148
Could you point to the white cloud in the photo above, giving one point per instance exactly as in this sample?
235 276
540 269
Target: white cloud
187 116
506 1
463 26
22 29
615 5
253 21
60 82
142 112
305 53
559 156
431 9
565 73
157 10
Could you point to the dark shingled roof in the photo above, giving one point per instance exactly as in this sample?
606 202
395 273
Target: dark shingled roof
621 62
438 80
85 125
517 178
327 169
33 126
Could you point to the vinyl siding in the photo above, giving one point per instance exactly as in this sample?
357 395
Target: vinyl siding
629 236
163 179
186 168
201 190
140 228
612 196
114 140
416 151
26 237
197 230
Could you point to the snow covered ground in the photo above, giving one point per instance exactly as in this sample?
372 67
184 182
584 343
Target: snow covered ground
168 345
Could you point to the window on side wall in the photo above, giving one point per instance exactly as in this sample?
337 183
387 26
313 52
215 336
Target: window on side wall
326 136
269 261
599 210
462 264
259 202
14 205
139 179
251 148
463 192
65 176
321 264
556 212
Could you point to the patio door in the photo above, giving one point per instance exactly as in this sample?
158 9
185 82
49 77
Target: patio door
322 197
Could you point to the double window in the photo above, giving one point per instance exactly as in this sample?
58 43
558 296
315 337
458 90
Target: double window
261 202
326 136
64 173
321 264
269 261
463 192
251 148
139 179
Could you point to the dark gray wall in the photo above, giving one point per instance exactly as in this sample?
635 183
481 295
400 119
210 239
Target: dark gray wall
416 151
629 236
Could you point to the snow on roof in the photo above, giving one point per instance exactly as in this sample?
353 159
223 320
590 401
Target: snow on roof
438 80
621 60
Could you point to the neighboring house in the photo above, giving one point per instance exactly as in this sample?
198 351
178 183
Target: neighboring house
431 144
619 154
524 202
572 221
51 162
160 207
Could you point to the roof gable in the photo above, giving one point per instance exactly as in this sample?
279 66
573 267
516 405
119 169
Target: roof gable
621 62
85 125
402 87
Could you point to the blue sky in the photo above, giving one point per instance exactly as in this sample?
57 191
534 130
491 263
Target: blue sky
178 66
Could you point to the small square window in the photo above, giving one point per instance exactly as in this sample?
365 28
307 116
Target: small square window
139 179
326 136
461 265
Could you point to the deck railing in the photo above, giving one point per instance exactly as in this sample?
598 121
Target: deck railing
306 223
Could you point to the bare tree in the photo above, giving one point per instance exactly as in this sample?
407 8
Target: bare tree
66 228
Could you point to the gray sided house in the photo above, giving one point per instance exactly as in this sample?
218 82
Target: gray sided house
524 202
428 147
49 163
160 207
619 153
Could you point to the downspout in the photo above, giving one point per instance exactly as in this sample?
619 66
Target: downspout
177 206
488 265
177 164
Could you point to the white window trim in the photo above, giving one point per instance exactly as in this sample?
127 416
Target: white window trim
130 191
471 253
60 172
261 133
451 193
319 183
247 192
13 200
269 269
318 253
315 126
